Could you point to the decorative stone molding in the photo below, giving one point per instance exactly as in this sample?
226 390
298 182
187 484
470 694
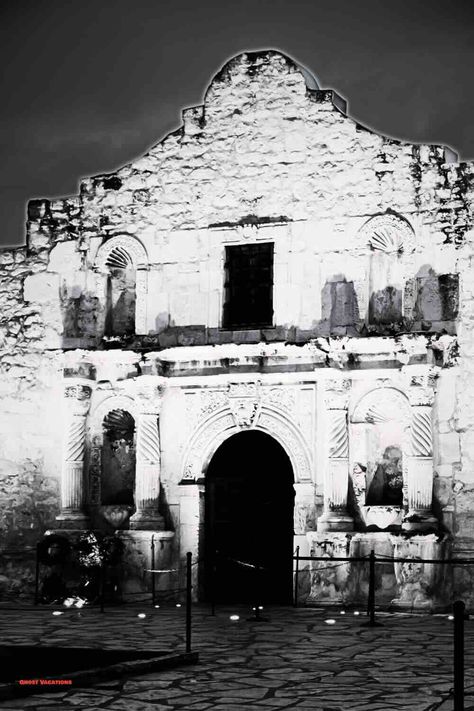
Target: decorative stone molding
304 508
113 366
388 233
244 411
328 578
244 399
147 477
244 403
212 431
114 402
148 394
338 439
247 231
337 392
421 435
121 251
420 585
420 486
382 405
336 480
421 386
283 398
246 389
77 398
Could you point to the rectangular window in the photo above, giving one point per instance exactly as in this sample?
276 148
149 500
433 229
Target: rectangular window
248 298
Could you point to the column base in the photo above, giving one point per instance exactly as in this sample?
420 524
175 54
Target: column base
73 521
419 521
147 521
334 521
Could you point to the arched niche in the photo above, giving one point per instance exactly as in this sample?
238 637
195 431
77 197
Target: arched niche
389 239
122 264
112 444
118 459
379 446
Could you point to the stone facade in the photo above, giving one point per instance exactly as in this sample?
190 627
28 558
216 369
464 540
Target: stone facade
121 378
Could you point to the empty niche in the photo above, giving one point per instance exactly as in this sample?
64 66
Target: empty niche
387 237
121 294
121 265
118 459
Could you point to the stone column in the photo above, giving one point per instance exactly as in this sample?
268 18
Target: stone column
147 474
420 458
335 516
72 516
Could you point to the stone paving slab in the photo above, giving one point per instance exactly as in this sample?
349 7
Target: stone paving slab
293 661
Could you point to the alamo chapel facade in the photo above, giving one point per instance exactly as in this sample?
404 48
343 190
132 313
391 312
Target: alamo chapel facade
257 336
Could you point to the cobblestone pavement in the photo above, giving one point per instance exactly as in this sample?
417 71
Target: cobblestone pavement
295 660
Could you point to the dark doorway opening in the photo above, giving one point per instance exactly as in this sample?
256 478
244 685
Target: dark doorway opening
249 521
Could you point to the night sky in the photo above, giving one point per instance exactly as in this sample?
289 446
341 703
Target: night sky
88 85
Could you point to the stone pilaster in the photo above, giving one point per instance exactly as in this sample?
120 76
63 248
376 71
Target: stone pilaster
336 482
419 466
77 401
147 472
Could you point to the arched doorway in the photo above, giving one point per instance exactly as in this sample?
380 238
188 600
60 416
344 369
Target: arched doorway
249 520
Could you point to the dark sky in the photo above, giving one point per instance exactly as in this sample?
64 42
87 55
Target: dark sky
88 85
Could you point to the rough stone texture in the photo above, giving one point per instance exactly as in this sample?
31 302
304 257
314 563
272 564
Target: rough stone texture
372 278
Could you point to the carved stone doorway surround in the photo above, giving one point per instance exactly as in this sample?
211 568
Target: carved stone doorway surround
240 408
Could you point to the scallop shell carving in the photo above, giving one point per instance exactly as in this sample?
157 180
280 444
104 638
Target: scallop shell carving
119 258
388 233
119 424
386 239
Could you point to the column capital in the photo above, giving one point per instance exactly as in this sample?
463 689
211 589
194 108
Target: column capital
420 384
148 394
337 393
77 398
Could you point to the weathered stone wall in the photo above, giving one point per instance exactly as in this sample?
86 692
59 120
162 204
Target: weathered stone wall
265 159
30 424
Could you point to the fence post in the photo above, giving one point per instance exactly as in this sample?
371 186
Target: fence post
297 558
371 598
153 591
37 572
213 582
188 601
459 610
102 584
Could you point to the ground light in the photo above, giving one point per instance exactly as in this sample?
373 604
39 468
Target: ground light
141 615
450 617
57 612
234 618
357 612
342 612
330 622
157 607
178 604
